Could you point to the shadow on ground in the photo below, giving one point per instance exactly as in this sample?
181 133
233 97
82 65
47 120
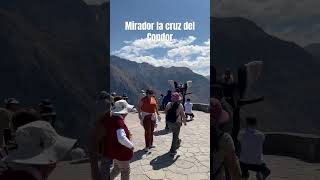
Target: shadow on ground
163 161
161 132
138 155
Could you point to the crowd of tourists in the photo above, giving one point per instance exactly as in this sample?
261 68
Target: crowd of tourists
235 151
30 147
111 139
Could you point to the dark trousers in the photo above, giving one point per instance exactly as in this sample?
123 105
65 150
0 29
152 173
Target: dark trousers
148 125
175 128
262 168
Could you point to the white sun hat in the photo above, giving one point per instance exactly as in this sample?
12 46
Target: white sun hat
39 144
121 107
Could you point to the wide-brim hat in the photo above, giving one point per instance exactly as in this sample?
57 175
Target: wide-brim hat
121 107
39 144
217 111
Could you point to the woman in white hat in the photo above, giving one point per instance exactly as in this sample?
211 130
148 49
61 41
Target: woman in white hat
39 148
118 144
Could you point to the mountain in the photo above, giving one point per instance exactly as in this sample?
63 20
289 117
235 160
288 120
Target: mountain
289 80
314 49
55 49
130 77
208 77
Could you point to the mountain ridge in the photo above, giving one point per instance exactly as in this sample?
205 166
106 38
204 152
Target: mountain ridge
157 79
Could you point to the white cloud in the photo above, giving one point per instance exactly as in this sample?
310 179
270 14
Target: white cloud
178 52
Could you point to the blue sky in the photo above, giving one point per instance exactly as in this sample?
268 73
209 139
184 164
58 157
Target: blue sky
188 48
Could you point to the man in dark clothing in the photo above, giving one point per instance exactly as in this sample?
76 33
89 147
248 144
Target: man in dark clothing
165 101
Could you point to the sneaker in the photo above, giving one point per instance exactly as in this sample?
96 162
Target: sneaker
151 147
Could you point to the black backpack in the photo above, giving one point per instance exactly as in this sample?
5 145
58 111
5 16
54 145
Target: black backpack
171 115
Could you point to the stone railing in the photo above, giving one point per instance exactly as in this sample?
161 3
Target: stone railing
302 146
201 107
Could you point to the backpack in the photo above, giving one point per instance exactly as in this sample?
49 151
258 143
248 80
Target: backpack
171 115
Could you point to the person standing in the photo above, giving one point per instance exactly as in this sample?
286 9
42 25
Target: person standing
148 115
188 109
11 107
251 154
165 101
141 95
98 139
174 118
160 102
119 146
222 144
47 111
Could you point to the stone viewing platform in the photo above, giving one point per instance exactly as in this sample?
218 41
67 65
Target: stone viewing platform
302 146
201 107
191 163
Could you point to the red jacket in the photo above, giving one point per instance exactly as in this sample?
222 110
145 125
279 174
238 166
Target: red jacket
113 148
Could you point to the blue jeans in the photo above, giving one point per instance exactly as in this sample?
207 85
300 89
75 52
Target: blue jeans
175 128
105 167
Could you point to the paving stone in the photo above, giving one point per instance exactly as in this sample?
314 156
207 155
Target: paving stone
192 160
158 174
198 176
174 176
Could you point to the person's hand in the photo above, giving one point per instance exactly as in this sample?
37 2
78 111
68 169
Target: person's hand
130 135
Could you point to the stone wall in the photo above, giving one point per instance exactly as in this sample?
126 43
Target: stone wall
302 146
201 107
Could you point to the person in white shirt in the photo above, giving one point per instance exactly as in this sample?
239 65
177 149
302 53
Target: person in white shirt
188 109
251 155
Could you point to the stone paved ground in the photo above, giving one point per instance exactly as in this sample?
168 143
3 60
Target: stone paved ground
191 162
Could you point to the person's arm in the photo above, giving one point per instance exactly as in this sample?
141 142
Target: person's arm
96 137
139 108
122 139
167 108
182 114
231 160
157 110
